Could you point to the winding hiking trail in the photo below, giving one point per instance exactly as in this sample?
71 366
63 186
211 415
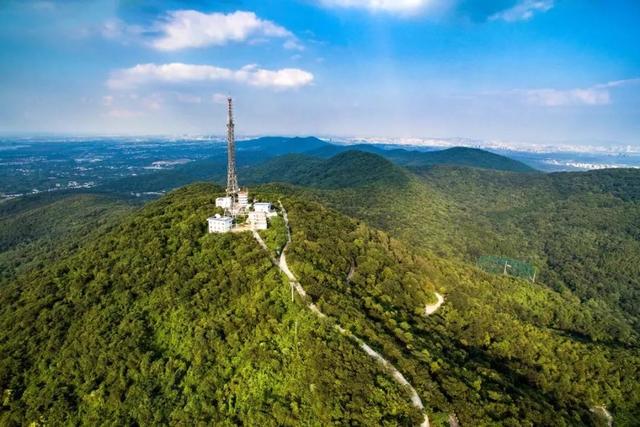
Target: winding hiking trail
295 284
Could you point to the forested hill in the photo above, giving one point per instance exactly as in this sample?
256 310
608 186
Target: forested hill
347 169
463 156
456 156
156 322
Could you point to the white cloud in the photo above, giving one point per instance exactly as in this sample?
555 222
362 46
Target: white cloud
393 6
523 10
189 28
599 94
557 98
618 83
142 74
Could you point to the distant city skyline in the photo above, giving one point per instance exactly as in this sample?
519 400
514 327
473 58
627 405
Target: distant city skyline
516 71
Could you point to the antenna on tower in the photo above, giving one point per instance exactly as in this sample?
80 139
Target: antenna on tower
232 178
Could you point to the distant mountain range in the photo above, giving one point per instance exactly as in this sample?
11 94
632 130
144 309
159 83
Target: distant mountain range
460 156
253 153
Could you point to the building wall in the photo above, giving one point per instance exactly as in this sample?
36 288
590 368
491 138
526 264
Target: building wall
262 207
258 220
219 225
223 202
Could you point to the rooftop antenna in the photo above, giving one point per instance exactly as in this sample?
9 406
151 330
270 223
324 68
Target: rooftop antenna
232 178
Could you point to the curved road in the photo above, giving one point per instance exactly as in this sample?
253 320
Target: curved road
395 373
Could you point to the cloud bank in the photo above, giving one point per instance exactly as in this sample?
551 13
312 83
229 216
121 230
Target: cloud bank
184 29
599 94
143 74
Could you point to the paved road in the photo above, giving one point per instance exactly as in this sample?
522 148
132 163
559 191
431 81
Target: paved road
395 373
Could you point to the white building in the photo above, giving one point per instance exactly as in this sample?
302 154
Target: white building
224 202
262 207
258 220
243 199
220 224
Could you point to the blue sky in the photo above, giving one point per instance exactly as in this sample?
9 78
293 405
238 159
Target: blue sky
530 71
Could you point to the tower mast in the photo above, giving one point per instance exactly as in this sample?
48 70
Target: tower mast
232 178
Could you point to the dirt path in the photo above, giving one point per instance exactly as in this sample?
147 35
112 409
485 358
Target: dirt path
604 413
395 373
432 308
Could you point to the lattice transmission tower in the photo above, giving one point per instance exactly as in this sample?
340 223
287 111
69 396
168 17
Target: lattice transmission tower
232 178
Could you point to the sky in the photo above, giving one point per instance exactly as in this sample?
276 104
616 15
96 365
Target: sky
524 71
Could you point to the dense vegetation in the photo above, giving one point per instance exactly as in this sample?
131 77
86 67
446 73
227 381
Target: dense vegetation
501 351
37 229
153 322
580 230
156 322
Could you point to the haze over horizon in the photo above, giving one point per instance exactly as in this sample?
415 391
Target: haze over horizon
521 71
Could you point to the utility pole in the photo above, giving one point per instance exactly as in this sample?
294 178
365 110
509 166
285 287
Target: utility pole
232 178
506 265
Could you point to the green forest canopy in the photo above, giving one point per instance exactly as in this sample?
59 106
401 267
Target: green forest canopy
170 310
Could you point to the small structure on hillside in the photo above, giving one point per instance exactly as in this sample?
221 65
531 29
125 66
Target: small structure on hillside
265 207
243 199
224 202
262 207
220 224
258 220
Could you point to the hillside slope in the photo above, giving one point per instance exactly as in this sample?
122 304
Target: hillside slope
37 229
579 230
500 351
156 322
347 169
582 230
